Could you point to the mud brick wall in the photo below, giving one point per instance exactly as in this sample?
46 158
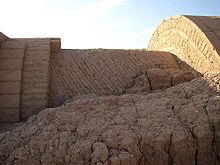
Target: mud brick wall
193 39
35 73
100 71
35 80
11 66
24 76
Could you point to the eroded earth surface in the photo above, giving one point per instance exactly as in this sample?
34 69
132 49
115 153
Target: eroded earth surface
177 125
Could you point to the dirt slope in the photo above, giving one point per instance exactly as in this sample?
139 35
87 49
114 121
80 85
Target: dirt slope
180 125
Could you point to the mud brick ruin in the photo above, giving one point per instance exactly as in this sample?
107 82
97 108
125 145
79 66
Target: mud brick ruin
112 106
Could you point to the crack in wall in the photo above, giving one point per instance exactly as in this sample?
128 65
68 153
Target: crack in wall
212 128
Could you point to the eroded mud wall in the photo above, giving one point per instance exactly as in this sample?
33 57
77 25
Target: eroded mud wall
101 71
11 67
193 39
35 74
24 76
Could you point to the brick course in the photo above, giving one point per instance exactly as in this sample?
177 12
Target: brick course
24 77
193 39
35 71
101 71
11 66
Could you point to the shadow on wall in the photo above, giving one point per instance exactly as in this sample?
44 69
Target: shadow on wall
2 38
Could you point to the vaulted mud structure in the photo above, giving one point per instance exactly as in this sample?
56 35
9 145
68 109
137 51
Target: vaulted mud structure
195 40
114 107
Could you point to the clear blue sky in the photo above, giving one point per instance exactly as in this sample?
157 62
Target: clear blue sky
95 23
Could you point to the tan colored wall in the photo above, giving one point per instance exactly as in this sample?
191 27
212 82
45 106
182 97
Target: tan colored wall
100 71
193 39
35 74
35 80
11 66
24 76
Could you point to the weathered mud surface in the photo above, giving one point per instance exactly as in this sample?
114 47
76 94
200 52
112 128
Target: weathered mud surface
103 71
178 125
